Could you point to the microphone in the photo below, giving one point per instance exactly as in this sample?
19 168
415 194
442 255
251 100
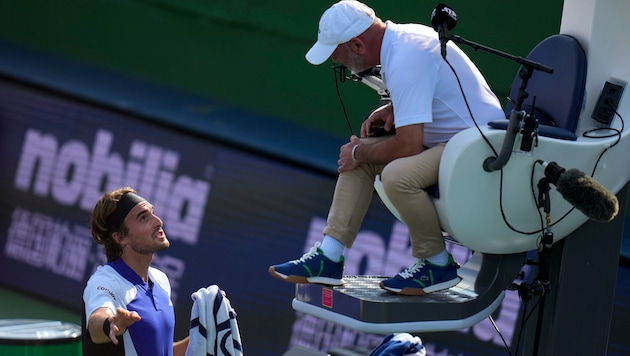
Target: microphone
372 78
583 192
443 19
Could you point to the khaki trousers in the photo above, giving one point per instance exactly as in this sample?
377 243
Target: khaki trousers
404 180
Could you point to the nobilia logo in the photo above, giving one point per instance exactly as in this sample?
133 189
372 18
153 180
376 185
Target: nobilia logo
72 174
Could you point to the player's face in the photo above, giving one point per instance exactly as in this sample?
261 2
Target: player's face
145 234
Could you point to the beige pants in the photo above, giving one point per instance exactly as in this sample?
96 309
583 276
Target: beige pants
404 181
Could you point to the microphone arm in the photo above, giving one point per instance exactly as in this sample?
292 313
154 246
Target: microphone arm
516 116
372 78
520 60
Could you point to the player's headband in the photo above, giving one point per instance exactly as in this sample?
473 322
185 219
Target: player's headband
125 204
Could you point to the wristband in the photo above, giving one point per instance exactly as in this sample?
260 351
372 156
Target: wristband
354 158
106 327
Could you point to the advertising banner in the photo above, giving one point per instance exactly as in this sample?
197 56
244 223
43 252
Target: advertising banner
228 213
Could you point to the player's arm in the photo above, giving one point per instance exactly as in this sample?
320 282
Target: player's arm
179 347
104 320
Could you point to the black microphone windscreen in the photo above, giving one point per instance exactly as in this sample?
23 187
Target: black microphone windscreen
587 195
443 14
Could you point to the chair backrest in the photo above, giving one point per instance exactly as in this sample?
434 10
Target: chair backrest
559 96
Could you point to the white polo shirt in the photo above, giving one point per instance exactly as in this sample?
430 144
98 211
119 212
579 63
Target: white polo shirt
424 89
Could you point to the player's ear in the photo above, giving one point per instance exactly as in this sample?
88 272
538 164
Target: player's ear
118 237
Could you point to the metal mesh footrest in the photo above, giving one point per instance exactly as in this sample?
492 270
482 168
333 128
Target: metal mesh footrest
362 305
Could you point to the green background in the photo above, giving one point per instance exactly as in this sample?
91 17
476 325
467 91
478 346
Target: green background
250 54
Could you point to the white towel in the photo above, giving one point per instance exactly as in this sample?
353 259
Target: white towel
213 327
402 344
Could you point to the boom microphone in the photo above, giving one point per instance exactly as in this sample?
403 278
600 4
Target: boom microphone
443 19
583 192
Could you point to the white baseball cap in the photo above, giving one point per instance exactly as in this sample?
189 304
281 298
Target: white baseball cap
339 24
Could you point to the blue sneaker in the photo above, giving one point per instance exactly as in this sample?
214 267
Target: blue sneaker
313 267
423 277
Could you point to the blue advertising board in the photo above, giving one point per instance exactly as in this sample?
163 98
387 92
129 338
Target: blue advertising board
229 214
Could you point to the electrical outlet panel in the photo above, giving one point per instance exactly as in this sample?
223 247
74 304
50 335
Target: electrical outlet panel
609 98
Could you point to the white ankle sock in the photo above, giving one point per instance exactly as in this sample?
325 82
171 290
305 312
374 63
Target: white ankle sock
441 259
332 248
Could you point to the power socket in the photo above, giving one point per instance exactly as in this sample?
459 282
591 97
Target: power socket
604 111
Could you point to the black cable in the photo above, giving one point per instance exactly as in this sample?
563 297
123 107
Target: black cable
585 134
542 224
521 328
500 334
617 133
525 317
524 320
531 181
469 110
461 88
342 79
504 217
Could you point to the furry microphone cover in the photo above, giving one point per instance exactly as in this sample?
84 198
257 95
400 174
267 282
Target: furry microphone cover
587 195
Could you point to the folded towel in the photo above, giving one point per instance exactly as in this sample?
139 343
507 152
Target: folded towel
213 327
402 344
